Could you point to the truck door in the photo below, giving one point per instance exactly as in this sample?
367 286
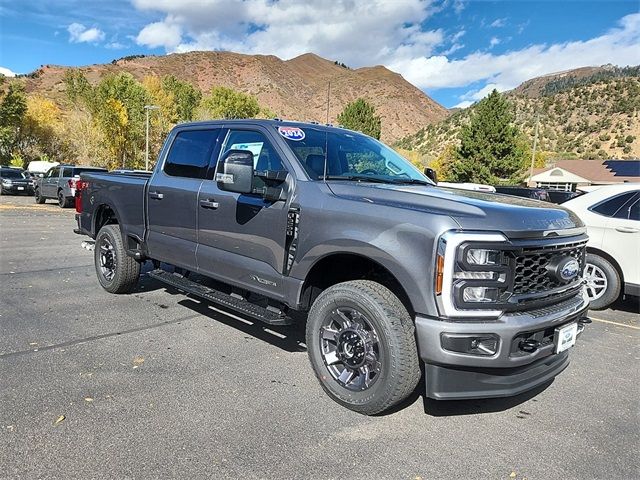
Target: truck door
172 196
241 238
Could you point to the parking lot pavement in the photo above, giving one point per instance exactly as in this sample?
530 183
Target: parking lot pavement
157 384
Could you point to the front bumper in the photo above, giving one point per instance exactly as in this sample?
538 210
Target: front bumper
15 189
511 370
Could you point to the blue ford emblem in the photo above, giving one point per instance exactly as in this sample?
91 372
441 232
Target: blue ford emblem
563 268
569 270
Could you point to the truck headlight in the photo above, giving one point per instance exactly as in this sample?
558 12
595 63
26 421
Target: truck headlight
472 274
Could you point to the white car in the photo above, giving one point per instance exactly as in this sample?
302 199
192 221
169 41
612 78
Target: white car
612 216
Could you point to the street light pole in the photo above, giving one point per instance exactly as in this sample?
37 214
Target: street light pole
146 148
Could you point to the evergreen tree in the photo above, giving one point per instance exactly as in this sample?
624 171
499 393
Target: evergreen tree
489 150
361 116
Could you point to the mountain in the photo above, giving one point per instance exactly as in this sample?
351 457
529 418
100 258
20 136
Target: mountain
294 89
590 112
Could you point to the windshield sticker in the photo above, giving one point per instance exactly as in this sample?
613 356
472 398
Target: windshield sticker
253 147
291 133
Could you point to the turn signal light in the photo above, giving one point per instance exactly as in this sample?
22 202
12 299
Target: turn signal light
439 274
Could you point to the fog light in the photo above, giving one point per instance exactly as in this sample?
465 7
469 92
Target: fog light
483 345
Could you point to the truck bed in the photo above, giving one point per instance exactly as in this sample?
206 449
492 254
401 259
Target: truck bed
122 192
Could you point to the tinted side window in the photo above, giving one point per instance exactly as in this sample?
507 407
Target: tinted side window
609 207
67 172
264 155
190 153
53 172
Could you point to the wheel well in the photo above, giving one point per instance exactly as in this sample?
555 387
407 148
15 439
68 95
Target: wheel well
343 267
104 216
610 259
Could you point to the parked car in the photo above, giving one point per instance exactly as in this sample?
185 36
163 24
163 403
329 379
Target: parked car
15 181
389 268
534 193
60 183
612 216
559 196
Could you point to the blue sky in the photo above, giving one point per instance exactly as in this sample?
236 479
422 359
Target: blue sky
455 50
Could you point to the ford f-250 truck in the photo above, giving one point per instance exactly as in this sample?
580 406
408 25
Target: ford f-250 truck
484 289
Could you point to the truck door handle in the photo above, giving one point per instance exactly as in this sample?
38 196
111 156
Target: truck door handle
626 229
209 204
156 195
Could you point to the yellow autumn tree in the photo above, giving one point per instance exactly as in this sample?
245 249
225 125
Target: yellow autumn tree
40 135
113 120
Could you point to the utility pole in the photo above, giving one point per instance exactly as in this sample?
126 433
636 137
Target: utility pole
328 96
146 148
535 145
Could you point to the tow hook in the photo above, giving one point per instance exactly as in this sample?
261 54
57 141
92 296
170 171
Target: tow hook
530 345
88 245
582 322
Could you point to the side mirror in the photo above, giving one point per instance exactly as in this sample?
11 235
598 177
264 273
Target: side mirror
236 172
431 174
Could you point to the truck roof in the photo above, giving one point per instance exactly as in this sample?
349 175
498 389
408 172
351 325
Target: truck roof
275 122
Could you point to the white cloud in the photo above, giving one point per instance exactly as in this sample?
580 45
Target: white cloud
498 23
78 33
386 32
493 42
160 34
6 72
463 104
356 33
115 45
618 46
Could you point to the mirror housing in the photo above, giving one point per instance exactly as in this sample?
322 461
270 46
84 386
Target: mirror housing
236 172
41 175
431 174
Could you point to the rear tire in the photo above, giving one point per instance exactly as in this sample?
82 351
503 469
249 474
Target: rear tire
39 198
603 282
361 344
117 272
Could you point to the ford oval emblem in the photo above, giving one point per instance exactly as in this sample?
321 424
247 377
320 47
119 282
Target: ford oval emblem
563 268
570 270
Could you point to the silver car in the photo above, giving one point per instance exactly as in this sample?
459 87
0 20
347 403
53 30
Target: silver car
60 183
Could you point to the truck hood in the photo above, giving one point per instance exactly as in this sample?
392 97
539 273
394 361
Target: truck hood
470 209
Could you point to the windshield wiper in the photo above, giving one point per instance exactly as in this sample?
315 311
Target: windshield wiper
411 181
357 178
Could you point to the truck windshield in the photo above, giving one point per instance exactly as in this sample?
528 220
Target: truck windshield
351 156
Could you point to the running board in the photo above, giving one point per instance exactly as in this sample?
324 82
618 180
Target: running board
220 298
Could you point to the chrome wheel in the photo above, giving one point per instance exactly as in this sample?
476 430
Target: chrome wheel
350 348
107 259
596 281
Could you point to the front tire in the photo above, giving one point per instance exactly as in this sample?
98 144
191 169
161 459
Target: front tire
603 282
63 201
117 272
361 344
39 198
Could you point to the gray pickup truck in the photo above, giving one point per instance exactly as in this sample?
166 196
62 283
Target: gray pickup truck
394 273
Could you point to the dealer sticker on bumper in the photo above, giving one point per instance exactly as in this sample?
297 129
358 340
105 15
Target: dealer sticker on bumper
565 337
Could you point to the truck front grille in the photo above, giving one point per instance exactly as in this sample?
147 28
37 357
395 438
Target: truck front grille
530 267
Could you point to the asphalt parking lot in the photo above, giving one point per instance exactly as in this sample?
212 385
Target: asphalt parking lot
156 384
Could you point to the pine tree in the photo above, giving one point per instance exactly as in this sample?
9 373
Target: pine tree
489 150
360 115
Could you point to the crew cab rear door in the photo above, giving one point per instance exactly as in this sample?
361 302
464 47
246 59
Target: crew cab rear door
241 238
172 196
